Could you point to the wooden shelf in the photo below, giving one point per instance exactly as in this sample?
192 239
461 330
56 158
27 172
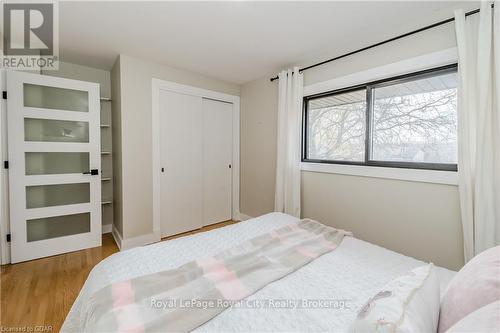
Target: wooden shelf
105 99
105 126
109 202
105 179
105 153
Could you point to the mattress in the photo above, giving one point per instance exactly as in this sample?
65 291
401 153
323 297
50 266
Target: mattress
324 295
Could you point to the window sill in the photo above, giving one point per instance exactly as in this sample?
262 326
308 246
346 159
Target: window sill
412 175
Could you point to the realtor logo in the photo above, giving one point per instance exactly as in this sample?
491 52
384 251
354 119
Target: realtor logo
30 35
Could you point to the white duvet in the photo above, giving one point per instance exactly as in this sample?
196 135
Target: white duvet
351 274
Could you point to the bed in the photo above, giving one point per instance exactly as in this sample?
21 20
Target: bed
351 274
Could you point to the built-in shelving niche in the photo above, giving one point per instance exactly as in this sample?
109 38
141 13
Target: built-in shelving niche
106 164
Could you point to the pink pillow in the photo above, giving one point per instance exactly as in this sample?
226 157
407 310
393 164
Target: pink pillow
484 320
474 286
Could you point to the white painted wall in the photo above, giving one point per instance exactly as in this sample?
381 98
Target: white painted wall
134 122
117 150
259 116
417 219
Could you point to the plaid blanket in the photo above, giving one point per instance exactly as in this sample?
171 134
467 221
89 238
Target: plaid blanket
181 299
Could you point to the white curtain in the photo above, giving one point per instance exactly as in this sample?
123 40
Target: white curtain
478 40
287 195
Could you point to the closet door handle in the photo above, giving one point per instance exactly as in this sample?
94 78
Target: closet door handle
92 172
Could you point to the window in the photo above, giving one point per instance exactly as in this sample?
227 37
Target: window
409 122
337 127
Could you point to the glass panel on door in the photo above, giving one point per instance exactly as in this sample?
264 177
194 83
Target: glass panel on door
48 130
57 195
57 226
50 163
54 131
46 97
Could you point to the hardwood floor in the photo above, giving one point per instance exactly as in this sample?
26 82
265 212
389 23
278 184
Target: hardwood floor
36 295
207 228
41 292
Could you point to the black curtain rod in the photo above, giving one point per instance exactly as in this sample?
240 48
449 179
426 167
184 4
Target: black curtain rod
472 12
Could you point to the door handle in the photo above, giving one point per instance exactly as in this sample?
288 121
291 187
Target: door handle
92 172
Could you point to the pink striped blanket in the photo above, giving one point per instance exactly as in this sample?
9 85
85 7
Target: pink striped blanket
181 299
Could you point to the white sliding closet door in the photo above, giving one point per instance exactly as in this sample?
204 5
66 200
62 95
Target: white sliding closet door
181 159
217 159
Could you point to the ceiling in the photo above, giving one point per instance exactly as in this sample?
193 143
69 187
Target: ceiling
234 41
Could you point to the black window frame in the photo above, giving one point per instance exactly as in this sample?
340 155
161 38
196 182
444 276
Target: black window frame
368 125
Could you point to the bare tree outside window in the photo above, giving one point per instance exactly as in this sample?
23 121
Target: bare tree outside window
416 121
413 120
337 127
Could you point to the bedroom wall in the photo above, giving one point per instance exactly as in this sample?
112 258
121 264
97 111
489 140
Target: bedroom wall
258 120
417 219
117 148
135 123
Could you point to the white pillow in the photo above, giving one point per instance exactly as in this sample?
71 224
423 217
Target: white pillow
409 303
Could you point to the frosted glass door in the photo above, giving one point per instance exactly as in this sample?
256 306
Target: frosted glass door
54 158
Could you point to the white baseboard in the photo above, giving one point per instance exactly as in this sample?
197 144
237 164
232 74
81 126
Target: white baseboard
107 228
116 236
128 243
243 217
